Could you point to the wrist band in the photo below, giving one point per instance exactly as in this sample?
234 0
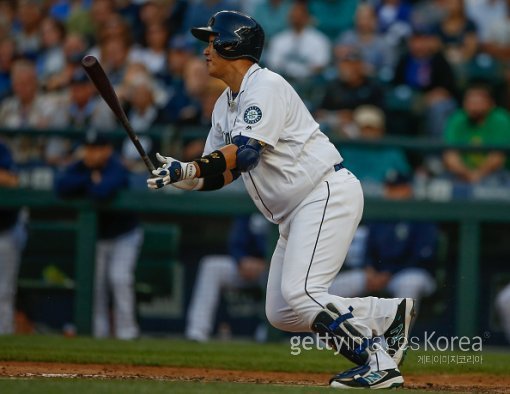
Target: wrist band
212 164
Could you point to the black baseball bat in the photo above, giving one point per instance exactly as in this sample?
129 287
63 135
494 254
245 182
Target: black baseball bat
103 85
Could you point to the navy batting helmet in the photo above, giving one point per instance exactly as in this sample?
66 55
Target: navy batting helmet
236 35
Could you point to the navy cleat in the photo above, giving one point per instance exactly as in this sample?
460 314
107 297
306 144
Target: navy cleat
397 334
363 378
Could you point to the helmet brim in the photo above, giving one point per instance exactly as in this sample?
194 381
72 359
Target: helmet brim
203 33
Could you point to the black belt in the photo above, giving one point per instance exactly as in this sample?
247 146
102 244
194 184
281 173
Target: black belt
338 167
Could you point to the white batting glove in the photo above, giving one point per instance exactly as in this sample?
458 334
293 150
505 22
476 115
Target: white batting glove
171 171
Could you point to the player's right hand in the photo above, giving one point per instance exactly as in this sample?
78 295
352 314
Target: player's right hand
171 171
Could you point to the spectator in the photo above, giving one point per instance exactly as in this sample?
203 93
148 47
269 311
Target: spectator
114 30
394 21
79 20
348 91
333 17
7 52
376 53
196 80
171 14
479 123
498 47
51 59
133 72
198 12
425 70
61 9
485 14
74 48
203 91
399 255
180 54
245 266
301 51
503 308
99 176
115 57
153 55
457 33
150 13
429 12
101 11
372 163
12 237
130 12
143 114
82 109
26 34
7 15
177 14
273 14
498 37
27 107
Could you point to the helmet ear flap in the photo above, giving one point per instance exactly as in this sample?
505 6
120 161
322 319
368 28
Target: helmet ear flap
225 48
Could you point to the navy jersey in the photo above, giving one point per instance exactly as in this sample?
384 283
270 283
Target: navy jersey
393 246
248 237
76 181
8 217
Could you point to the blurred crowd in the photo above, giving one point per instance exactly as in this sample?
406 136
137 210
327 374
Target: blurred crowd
438 69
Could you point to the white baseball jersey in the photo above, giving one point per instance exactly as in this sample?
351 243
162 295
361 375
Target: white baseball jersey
298 155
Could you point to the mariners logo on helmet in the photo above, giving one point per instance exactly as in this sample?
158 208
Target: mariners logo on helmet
252 114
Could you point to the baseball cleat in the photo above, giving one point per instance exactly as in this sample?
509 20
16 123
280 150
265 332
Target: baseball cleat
397 335
363 378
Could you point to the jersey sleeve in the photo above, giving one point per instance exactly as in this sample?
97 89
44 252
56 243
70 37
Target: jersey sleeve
214 139
261 115
213 142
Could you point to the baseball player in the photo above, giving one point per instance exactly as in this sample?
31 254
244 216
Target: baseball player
12 240
99 175
261 130
244 267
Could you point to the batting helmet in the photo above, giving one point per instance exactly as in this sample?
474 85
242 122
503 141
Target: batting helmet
236 35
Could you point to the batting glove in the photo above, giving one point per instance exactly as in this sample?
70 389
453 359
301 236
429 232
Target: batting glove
171 171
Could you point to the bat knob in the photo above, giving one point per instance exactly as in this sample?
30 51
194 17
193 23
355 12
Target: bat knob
89 61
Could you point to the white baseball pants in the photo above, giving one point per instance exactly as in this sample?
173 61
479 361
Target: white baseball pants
115 268
408 283
313 243
503 307
11 245
214 274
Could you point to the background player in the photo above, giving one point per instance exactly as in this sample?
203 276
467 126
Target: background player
263 130
12 240
398 256
99 176
244 267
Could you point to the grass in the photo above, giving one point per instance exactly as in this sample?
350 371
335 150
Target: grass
246 356
64 386
223 355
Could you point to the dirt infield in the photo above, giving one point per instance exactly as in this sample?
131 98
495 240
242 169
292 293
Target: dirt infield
460 382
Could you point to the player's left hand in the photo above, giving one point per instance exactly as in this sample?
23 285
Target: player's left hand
171 171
